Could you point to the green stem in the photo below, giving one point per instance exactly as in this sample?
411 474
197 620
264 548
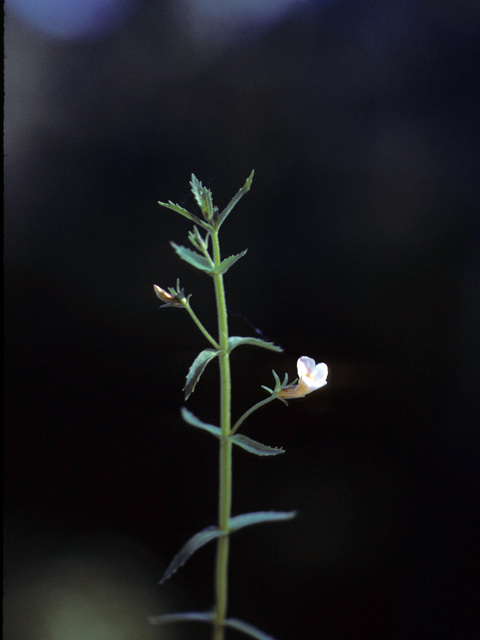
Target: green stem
193 315
250 411
225 459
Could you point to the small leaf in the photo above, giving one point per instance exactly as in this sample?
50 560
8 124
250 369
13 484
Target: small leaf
247 628
193 258
225 265
184 616
236 341
253 446
203 196
195 422
181 211
196 542
245 520
198 241
197 369
241 192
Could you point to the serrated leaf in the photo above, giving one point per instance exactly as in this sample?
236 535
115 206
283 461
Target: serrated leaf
193 258
203 196
225 265
236 341
184 616
241 192
255 447
176 207
197 369
247 628
196 542
211 533
246 519
195 422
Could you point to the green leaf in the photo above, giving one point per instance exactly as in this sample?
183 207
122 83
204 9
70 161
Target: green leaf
196 542
253 446
246 187
193 258
236 341
175 207
211 533
203 196
187 214
201 616
245 520
197 369
242 441
205 263
184 616
195 422
227 263
198 241
247 628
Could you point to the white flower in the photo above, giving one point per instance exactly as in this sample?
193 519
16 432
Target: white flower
311 377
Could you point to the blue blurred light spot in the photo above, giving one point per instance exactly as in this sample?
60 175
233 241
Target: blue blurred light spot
239 10
72 19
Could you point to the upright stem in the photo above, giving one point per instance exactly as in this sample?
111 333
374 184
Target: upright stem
225 460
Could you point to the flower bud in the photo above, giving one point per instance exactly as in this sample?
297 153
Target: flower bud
177 299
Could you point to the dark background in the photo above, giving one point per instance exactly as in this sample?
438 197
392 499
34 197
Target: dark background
361 122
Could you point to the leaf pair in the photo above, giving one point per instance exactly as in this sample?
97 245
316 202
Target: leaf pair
203 196
252 446
205 263
211 533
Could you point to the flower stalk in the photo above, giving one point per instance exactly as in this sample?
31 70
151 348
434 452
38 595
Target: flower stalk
249 412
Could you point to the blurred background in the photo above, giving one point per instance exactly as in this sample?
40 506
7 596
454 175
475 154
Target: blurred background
360 118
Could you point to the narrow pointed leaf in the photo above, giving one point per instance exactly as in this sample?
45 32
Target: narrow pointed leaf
242 441
195 422
196 542
203 196
193 258
225 265
245 520
235 199
184 616
201 616
254 447
198 241
181 211
247 628
236 341
197 369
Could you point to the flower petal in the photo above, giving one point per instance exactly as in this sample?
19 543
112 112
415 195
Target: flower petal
305 366
320 374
